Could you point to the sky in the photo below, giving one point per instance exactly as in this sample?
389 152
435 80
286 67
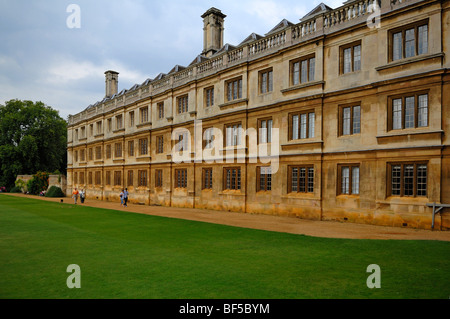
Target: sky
53 53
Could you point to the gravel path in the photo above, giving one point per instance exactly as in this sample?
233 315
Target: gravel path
292 225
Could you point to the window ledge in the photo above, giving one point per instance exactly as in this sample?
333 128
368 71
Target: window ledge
407 134
296 145
233 103
302 86
99 135
144 124
409 60
232 192
119 130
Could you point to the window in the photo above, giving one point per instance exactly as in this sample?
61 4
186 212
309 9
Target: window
131 118
109 125
143 146
409 41
117 178
303 70
108 151
265 131
232 178
82 178
99 127
91 154
233 134
82 156
234 89
408 179
208 138
348 178
408 111
98 152
301 179
183 140
182 104
266 81
302 125
142 178
130 148
75 178
350 120
160 144
160 110
118 150
158 178
76 134
130 178
264 178
90 178
75 156
181 178
143 114
108 178
350 58
91 130
83 132
98 178
119 122
209 97
207 178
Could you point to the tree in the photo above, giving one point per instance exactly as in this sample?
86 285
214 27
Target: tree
33 137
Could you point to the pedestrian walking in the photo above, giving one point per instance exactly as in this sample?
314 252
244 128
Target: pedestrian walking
75 194
125 197
82 196
121 197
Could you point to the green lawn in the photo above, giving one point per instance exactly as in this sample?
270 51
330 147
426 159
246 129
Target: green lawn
126 255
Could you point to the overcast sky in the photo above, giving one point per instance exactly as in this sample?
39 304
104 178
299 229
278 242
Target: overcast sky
42 59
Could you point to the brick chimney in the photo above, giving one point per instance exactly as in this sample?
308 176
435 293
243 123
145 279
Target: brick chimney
112 83
213 21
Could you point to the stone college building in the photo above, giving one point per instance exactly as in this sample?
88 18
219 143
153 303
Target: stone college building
343 115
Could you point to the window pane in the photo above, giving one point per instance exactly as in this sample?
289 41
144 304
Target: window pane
294 176
345 180
410 43
357 58
312 68
409 112
423 39
310 180
269 131
304 71
302 180
421 180
263 132
264 83
303 126
347 60
312 118
397 114
409 180
397 46
423 111
355 180
356 119
269 178
296 73
270 88
295 127
346 121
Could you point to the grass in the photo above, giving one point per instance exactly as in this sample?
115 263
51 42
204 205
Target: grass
125 255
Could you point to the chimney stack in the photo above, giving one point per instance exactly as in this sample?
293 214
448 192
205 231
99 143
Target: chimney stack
213 21
112 83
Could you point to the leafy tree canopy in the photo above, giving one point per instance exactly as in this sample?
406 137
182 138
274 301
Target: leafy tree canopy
33 137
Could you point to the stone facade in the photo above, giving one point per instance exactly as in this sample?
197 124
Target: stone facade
353 112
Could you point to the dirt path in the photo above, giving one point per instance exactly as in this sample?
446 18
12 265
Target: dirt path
292 225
